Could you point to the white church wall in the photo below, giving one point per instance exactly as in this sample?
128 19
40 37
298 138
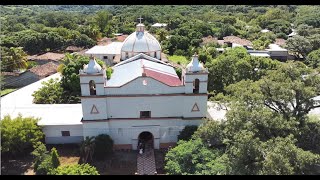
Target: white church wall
53 134
152 87
88 78
160 106
192 77
189 108
95 128
158 54
94 108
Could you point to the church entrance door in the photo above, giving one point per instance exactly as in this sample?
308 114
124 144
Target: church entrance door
145 140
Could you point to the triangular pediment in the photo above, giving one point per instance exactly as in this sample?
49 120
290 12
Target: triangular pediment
141 56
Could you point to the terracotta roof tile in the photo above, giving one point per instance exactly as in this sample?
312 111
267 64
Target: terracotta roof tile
44 70
162 77
50 56
235 39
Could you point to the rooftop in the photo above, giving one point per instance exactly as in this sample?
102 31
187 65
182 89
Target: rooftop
237 40
45 69
50 56
134 67
112 48
20 101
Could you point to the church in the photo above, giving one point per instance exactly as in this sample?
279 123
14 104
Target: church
143 99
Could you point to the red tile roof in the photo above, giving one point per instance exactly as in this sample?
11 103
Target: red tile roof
44 70
49 56
235 39
280 42
168 79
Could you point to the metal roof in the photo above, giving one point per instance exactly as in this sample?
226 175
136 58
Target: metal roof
129 71
112 48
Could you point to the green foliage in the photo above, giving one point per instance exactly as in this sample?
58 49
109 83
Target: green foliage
70 81
313 59
77 169
39 153
55 158
44 162
178 59
193 157
13 58
103 146
31 64
50 93
235 65
187 132
299 45
18 135
109 72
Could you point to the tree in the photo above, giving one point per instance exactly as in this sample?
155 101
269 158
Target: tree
77 169
187 132
313 59
235 65
15 58
193 157
87 149
44 162
299 45
55 157
50 93
70 81
103 146
18 135
102 20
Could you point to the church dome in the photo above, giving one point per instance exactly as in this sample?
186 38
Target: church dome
140 42
93 67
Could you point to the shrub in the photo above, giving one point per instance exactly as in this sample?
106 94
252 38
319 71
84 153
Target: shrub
103 146
187 132
18 135
109 71
77 169
45 162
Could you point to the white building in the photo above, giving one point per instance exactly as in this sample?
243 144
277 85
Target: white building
144 98
109 53
159 25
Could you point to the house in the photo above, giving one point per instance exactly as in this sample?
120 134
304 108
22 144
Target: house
234 41
143 101
46 58
277 52
110 53
72 49
21 79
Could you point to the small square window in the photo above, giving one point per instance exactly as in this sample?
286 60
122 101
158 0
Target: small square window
65 133
105 57
145 114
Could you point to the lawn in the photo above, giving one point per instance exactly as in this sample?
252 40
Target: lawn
6 91
178 60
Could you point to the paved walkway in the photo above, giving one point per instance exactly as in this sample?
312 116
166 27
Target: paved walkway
146 163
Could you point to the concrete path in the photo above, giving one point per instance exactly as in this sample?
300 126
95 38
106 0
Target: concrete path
146 164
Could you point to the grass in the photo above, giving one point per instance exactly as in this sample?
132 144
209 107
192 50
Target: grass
6 91
178 60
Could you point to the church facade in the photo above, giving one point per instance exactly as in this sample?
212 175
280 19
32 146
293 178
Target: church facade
143 97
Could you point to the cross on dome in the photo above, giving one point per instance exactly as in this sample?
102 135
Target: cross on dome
140 19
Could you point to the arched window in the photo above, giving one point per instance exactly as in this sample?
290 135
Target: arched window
92 86
196 86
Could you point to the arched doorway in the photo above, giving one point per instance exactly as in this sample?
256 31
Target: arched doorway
145 139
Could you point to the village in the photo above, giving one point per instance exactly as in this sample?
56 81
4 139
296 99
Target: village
143 102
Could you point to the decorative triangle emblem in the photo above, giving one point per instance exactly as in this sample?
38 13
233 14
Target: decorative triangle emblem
195 107
94 110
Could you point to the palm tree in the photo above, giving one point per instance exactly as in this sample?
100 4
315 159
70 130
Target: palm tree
87 149
15 58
